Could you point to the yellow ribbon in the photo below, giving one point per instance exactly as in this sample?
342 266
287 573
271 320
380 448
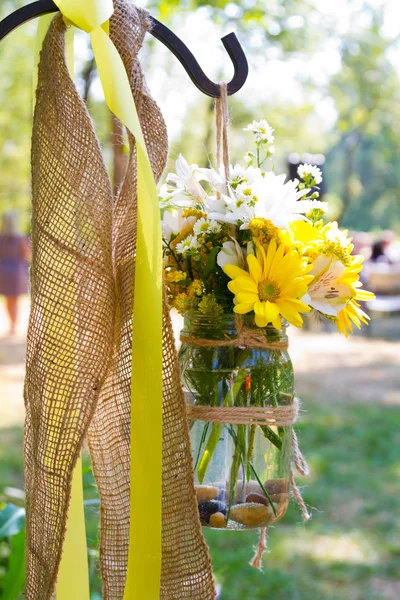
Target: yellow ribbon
144 560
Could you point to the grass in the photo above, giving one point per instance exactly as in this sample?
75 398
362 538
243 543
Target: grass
351 548
353 540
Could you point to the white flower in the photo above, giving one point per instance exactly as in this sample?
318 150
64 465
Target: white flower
272 199
213 177
203 226
249 157
187 245
244 192
304 170
183 188
249 249
279 201
230 254
262 130
214 204
249 175
325 292
317 204
237 174
232 210
173 222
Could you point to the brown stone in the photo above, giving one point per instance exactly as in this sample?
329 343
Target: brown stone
206 492
257 499
251 515
277 486
218 520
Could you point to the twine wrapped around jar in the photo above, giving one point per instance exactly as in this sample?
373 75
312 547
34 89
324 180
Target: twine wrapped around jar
279 416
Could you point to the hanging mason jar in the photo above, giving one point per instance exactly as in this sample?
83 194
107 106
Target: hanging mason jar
235 375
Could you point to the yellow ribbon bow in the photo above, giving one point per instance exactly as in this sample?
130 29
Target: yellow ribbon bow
144 560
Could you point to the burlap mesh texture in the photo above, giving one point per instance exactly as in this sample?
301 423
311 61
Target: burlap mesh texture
79 339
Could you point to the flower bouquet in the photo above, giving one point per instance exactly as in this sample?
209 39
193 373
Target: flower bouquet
244 256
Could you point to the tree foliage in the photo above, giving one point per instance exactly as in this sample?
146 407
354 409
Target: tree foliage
363 165
362 147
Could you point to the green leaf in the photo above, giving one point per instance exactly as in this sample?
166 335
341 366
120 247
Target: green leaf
211 260
12 520
14 580
184 282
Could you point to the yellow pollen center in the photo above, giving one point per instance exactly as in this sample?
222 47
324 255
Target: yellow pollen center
267 291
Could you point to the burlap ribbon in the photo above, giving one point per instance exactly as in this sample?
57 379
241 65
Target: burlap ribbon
84 248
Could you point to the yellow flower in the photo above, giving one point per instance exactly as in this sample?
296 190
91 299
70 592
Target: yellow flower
195 288
335 290
263 231
305 233
336 243
315 240
174 276
272 287
210 306
182 303
193 212
350 314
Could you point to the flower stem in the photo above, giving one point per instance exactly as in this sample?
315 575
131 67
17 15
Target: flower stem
216 429
237 459
250 449
271 436
238 445
212 443
203 438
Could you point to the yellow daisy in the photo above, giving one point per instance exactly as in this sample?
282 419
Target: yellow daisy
272 287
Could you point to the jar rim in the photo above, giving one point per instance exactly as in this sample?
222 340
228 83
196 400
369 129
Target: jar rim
196 324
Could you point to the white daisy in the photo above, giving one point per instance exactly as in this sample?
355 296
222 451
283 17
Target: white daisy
310 170
187 245
245 192
203 226
263 131
271 199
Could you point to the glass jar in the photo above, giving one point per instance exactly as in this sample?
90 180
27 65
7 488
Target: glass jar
241 471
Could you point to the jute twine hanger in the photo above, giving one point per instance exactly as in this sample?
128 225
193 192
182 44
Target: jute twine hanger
280 416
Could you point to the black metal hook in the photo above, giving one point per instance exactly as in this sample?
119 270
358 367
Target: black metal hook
164 35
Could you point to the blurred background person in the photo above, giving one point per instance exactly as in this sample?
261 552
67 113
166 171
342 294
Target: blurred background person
381 248
14 256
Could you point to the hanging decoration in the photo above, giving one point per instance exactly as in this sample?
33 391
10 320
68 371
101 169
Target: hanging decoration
245 255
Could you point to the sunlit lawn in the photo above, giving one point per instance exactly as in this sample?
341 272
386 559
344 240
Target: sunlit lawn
351 548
